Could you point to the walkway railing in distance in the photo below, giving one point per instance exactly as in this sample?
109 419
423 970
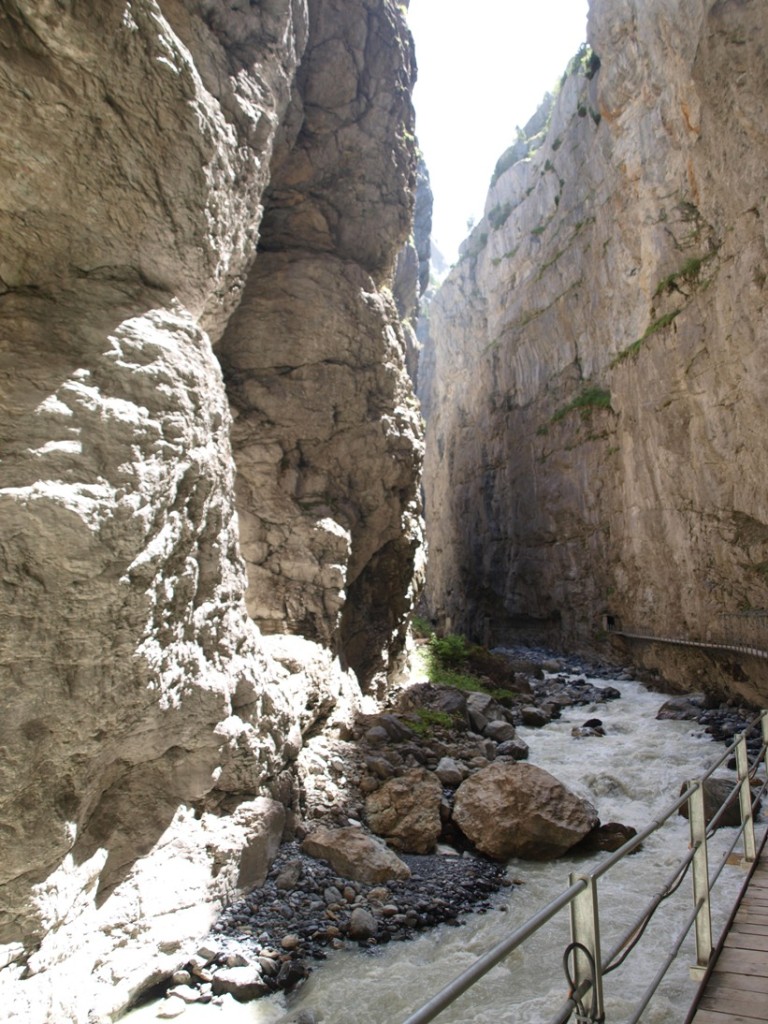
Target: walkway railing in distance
639 633
585 965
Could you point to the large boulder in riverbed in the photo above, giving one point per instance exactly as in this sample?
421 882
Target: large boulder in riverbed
356 855
686 707
716 793
519 810
406 811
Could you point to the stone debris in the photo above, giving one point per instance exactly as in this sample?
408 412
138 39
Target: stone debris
274 934
342 886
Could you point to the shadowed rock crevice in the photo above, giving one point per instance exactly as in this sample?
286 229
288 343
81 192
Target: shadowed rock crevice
326 433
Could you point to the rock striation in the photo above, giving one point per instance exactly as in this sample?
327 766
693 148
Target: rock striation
593 377
209 455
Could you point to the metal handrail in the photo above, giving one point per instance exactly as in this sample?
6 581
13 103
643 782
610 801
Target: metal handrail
581 897
713 645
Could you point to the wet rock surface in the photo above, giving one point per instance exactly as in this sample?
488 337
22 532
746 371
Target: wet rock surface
723 722
519 810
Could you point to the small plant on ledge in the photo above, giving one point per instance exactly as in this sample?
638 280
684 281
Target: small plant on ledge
592 397
452 661
632 350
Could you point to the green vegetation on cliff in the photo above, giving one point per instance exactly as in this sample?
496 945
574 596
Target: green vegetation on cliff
592 397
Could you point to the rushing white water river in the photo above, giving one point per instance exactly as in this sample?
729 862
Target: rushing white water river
630 775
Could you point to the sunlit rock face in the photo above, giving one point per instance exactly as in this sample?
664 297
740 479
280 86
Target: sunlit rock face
148 726
595 435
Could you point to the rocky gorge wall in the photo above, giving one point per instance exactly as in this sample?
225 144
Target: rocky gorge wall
596 371
209 455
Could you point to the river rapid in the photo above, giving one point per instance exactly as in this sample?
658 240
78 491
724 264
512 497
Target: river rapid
630 774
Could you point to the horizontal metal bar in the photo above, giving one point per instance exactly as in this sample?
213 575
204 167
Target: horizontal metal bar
714 645
481 966
720 761
569 1005
649 908
635 841
659 976
739 832
490 959
749 727
725 930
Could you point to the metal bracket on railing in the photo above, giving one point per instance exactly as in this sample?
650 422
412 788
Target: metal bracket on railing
700 873
585 947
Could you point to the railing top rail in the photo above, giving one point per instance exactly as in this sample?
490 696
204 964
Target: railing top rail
712 645
633 843
752 725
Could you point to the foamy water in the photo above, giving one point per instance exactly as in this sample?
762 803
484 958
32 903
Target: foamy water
630 775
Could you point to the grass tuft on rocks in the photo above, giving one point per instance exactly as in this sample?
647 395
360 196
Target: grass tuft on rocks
453 661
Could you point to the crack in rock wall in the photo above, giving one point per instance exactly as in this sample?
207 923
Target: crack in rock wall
149 727
595 440
327 431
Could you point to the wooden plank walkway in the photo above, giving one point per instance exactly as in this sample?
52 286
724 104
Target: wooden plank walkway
737 989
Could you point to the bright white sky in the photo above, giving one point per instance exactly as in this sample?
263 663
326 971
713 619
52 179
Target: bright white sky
484 67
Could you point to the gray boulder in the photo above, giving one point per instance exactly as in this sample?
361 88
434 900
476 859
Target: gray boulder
518 810
499 731
533 716
355 854
716 793
516 748
406 811
243 983
449 772
362 925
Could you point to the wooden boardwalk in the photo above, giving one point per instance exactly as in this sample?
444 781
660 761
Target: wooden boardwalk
737 989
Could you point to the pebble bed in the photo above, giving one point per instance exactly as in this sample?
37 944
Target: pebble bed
267 941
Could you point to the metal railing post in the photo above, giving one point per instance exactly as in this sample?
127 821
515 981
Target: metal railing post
700 872
584 964
745 801
585 936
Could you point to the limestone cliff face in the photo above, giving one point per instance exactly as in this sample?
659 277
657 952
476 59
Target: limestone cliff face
179 390
595 439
